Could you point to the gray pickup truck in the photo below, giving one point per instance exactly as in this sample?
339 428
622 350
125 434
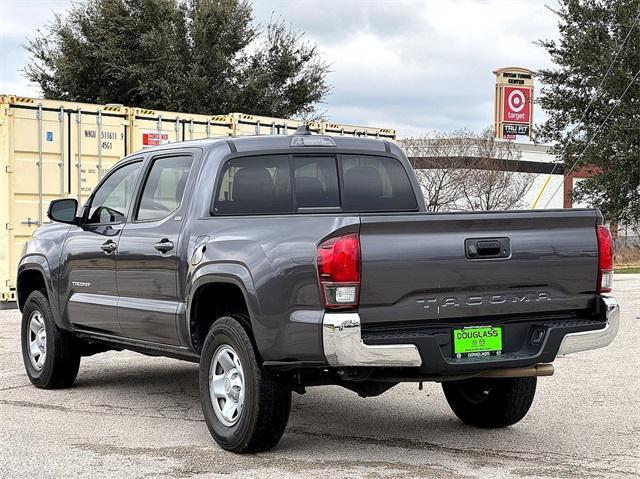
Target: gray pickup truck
282 262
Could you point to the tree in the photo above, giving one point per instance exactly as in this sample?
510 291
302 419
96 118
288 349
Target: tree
493 183
592 98
467 170
438 161
199 56
285 77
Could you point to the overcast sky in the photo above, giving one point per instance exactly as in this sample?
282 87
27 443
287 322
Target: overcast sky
416 66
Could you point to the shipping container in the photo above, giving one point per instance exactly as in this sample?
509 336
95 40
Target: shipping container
54 149
338 129
152 128
49 149
246 125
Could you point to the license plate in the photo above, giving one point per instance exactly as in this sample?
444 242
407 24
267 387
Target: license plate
477 341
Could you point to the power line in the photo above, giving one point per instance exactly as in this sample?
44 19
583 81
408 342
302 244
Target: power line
593 98
593 137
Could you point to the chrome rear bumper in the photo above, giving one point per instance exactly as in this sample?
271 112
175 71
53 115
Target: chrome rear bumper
343 345
599 338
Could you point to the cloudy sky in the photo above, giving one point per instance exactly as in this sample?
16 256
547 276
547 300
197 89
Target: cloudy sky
413 65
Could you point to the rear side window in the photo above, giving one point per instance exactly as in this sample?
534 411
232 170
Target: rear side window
316 182
254 185
164 187
375 183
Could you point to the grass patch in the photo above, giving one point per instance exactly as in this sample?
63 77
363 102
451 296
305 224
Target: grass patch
627 270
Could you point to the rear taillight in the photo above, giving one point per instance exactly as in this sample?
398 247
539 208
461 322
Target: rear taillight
339 271
605 259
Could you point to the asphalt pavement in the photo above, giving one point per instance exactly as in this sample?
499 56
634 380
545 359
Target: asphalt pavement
133 416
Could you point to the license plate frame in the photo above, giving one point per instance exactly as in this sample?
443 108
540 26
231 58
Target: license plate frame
477 341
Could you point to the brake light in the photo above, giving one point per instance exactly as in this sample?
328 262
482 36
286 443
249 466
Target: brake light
338 262
605 259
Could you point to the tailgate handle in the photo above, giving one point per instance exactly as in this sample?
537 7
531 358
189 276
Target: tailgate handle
487 248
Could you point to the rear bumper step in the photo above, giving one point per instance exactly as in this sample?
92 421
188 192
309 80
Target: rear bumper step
344 346
599 338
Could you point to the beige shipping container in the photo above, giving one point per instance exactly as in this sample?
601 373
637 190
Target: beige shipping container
152 128
49 149
53 149
338 129
247 125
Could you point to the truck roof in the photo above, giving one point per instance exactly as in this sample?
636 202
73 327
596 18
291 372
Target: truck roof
280 142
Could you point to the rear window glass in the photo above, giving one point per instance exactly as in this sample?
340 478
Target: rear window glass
316 182
255 185
263 185
372 183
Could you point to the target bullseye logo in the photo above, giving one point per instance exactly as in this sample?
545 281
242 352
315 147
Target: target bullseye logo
516 100
516 105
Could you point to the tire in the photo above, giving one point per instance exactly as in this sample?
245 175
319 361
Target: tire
490 402
261 397
56 365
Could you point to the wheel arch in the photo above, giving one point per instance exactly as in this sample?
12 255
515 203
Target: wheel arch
216 290
34 274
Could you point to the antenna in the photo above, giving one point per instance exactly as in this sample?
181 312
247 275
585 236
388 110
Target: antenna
303 130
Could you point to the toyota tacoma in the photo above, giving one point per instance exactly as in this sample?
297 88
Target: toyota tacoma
283 262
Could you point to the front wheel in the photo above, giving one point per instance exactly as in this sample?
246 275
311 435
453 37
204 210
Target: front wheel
246 406
50 354
490 402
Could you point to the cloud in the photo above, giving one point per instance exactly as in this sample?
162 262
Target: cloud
414 65
18 22
418 66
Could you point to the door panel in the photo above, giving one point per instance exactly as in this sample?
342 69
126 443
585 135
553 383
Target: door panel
91 278
88 274
148 253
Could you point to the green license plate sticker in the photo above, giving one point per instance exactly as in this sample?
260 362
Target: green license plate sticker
477 342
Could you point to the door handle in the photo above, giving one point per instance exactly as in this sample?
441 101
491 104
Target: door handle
108 246
164 245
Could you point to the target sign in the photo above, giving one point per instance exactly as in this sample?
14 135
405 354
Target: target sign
516 104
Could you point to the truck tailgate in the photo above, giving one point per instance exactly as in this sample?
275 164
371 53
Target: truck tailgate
420 267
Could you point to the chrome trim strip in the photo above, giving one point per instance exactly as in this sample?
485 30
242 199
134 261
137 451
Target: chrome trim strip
343 345
599 338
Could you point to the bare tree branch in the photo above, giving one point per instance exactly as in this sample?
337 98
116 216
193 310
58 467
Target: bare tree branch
466 170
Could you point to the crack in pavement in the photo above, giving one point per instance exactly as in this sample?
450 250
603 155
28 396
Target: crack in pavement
111 409
15 387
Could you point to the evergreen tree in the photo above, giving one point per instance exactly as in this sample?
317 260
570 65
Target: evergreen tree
197 56
595 123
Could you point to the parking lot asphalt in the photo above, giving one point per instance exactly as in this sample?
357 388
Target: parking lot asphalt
134 416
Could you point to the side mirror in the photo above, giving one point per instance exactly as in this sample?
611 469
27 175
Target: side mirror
63 211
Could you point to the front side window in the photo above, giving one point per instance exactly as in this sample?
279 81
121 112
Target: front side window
164 187
112 198
254 185
375 183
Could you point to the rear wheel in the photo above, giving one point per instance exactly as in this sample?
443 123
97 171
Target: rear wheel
490 402
245 405
49 353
